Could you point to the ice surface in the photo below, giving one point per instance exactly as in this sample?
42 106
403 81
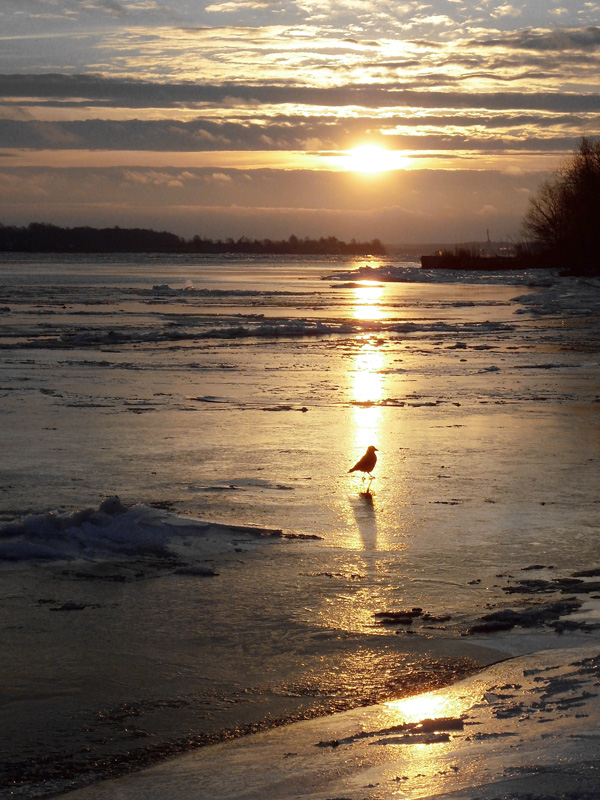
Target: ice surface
526 728
138 633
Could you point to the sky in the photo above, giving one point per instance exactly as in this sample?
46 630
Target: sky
405 121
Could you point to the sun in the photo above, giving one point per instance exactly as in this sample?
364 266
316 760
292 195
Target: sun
369 158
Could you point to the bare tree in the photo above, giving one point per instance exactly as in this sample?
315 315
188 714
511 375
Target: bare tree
563 219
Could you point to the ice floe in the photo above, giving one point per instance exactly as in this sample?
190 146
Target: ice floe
166 290
573 296
250 328
408 273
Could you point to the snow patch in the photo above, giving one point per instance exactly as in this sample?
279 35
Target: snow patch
113 531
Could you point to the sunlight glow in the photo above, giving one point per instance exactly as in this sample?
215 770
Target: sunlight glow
269 159
453 702
423 706
423 759
371 158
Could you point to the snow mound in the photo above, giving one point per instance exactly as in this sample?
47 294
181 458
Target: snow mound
113 531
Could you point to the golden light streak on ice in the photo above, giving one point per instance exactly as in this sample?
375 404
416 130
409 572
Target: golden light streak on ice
367 298
367 391
367 387
433 705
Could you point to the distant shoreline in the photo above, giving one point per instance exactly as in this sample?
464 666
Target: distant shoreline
40 237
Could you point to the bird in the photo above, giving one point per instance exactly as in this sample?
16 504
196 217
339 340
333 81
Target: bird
367 463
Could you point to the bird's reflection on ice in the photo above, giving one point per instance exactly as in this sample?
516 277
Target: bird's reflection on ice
364 510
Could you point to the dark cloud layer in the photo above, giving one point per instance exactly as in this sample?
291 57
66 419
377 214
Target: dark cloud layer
127 93
293 133
586 39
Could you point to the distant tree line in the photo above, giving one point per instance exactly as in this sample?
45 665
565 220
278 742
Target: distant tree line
563 219
40 237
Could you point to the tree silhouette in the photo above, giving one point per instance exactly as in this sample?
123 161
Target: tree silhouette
563 219
41 237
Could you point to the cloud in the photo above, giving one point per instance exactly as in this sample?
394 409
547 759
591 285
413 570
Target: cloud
421 48
439 131
506 10
487 211
222 177
581 39
433 20
57 9
70 8
151 177
111 6
235 6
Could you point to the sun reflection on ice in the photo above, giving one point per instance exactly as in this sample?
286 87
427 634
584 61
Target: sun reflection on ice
367 387
367 393
432 721
367 380
431 705
367 298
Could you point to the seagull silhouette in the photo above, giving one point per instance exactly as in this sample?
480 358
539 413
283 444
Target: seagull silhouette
366 464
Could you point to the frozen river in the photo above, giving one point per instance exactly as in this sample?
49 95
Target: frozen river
239 392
